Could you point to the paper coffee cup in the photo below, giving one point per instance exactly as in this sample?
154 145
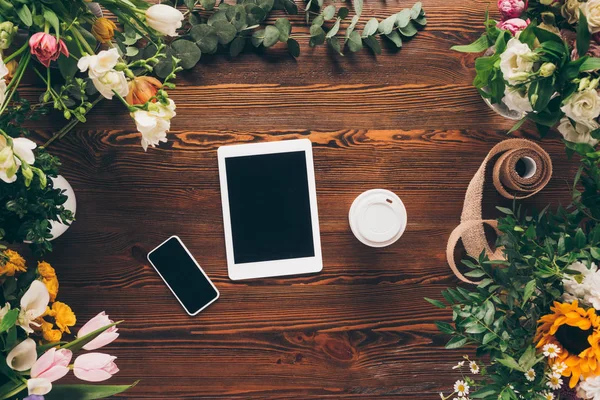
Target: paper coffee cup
377 218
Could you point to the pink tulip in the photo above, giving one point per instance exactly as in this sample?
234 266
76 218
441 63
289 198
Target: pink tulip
106 337
52 365
46 48
512 8
513 25
95 367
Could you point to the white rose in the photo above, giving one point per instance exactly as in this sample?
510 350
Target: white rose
164 19
589 388
154 123
109 81
591 10
577 134
99 64
516 62
583 107
583 287
514 100
570 10
10 157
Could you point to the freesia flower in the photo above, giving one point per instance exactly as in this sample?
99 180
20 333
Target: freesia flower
8 30
22 356
11 156
52 365
516 62
106 337
103 29
512 8
583 107
513 25
112 81
46 48
38 386
33 305
95 367
591 10
154 123
99 64
142 89
517 101
164 19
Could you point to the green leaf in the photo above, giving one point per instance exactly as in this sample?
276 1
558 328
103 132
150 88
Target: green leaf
580 238
456 342
350 28
409 30
488 337
9 320
52 19
477 46
78 343
583 35
334 29
395 38
254 14
518 125
373 44
529 289
510 363
206 38
67 67
590 64
422 21
415 12
358 6
317 35
595 252
237 46
475 329
258 37
329 12
403 18
25 15
187 52
86 392
284 27
387 25
354 42
226 31
370 28
293 47
334 43
436 303
190 4
505 210
445 327
271 36
343 12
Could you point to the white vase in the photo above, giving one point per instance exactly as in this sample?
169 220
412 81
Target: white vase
58 228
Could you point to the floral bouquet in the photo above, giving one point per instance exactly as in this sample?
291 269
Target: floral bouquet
534 315
32 325
541 64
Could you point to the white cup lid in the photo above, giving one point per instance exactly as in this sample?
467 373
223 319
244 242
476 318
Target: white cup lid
377 217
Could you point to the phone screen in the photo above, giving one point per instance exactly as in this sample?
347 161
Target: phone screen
183 275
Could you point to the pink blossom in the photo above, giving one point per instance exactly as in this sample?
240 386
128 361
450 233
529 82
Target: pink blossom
106 337
95 367
46 48
52 365
513 25
512 8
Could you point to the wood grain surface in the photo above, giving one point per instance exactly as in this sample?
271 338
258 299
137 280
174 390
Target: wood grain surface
408 121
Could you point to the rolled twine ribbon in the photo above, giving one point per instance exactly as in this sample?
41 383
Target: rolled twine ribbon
509 183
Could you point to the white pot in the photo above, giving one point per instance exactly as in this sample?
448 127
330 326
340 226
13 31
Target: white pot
58 228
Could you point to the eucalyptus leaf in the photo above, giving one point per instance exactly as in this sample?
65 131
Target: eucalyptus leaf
409 30
373 43
225 31
334 29
271 36
415 12
187 52
395 38
334 43
237 46
387 25
358 6
343 12
329 12
318 21
293 47
403 18
317 36
257 37
285 28
354 42
353 23
206 38
370 28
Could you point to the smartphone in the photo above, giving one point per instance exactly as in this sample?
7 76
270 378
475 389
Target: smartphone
182 274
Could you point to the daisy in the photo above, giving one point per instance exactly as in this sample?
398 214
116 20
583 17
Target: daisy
559 367
459 365
554 381
548 395
474 367
530 375
461 388
551 350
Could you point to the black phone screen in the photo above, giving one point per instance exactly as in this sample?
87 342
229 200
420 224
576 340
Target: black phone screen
181 273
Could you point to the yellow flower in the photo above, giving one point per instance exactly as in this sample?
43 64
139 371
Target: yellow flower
104 30
63 315
576 333
14 263
50 335
49 279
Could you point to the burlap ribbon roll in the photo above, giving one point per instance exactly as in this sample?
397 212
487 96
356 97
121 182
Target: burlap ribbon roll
509 184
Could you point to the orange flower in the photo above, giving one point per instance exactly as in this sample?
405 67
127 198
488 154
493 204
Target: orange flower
14 263
142 89
50 335
12 68
104 30
576 333
49 279
63 315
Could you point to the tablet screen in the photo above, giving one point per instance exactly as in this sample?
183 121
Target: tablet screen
269 206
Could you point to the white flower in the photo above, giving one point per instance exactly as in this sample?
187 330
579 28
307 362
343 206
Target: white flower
4 310
164 19
591 10
109 81
548 395
10 157
589 388
516 62
554 381
33 305
154 123
577 134
459 365
474 367
3 73
516 101
22 356
583 107
530 375
585 286
39 386
99 64
461 388
551 350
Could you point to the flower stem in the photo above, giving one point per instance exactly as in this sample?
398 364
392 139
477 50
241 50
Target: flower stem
69 126
14 392
16 53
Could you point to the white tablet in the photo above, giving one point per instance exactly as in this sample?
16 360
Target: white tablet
270 209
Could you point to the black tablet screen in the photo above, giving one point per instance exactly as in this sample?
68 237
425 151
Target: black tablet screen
269 207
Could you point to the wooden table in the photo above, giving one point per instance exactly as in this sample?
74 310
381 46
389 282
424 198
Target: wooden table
408 121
